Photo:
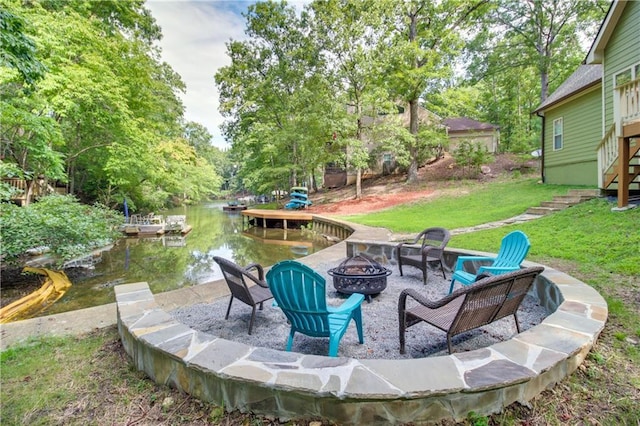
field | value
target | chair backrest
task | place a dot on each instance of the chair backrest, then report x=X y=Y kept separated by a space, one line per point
x=513 y=249
x=300 y=292
x=493 y=298
x=235 y=276
x=435 y=237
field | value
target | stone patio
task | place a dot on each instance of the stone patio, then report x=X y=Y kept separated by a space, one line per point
x=350 y=391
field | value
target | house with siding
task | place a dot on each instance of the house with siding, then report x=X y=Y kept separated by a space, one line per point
x=380 y=162
x=466 y=129
x=591 y=123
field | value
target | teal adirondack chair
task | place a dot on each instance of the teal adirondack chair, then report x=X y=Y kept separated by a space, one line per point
x=513 y=250
x=300 y=292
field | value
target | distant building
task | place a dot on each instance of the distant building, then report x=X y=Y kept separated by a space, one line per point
x=462 y=128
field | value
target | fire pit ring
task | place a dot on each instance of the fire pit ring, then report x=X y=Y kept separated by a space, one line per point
x=360 y=274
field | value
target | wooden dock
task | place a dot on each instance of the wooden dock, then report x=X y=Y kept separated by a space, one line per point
x=276 y=218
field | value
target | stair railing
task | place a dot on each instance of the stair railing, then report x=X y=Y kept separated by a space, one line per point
x=629 y=95
x=607 y=153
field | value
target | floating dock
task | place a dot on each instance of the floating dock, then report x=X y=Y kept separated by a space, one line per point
x=237 y=208
x=276 y=218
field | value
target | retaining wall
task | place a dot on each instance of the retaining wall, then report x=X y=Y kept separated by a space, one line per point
x=351 y=391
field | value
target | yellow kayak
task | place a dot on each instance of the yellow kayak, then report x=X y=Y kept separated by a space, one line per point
x=55 y=285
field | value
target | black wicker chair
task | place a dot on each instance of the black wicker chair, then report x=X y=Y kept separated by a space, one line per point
x=237 y=277
x=432 y=242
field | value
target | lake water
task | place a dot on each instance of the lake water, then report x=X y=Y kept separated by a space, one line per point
x=169 y=262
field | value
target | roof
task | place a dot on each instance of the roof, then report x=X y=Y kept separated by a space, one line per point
x=584 y=77
x=461 y=124
x=596 y=51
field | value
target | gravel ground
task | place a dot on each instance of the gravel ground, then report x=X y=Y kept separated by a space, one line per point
x=379 y=317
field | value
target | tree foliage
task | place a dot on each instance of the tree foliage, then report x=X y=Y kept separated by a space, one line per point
x=490 y=60
x=524 y=51
x=61 y=223
x=103 y=114
x=274 y=100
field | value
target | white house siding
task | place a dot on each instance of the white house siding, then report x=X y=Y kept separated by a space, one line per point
x=576 y=162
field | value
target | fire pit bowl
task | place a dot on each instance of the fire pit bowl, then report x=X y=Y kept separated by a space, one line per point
x=360 y=274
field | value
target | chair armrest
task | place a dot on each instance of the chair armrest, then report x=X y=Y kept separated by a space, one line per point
x=495 y=270
x=258 y=268
x=407 y=244
x=409 y=292
x=413 y=242
x=427 y=249
x=462 y=259
x=348 y=305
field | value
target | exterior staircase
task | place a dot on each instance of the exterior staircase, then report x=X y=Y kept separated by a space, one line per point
x=561 y=202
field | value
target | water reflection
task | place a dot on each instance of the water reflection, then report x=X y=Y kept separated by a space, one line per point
x=169 y=262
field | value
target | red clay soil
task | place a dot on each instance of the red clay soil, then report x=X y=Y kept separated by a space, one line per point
x=369 y=203
x=384 y=192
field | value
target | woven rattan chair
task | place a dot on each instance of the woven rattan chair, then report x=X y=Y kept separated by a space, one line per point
x=428 y=246
x=237 y=277
x=479 y=304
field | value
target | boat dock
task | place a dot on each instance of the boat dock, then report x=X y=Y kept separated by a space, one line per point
x=276 y=218
x=153 y=224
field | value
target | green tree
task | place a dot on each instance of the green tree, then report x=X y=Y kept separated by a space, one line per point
x=425 y=39
x=267 y=96
x=107 y=107
x=28 y=136
x=17 y=50
x=348 y=33
x=523 y=52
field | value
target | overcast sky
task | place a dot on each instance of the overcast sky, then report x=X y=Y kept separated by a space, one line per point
x=193 y=43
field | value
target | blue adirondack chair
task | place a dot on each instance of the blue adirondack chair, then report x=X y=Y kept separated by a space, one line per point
x=300 y=292
x=513 y=250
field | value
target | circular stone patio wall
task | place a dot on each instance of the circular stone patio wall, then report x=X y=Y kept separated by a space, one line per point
x=375 y=391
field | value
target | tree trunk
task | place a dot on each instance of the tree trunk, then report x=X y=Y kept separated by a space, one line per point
x=412 y=174
x=28 y=192
x=294 y=173
x=359 y=136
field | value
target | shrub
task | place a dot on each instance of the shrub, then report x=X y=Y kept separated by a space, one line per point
x=61 y=223
x=470 y=156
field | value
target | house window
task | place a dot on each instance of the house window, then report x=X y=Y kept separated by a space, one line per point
x=387 y=158
x=557 y=134
x=622 y=78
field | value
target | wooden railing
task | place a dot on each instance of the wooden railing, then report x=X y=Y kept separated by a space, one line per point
x=629 y=98
x=18 y=185
x=626 y=108
x=40 y=187
x=607 y=153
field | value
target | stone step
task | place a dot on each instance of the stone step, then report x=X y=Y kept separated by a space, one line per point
x=541 y=211
x=591 y=193
x=558 y=204
x=561 y=202
x=569 y=199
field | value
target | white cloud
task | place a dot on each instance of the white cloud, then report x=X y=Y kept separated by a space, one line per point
x=194 y=40
x=194 y=37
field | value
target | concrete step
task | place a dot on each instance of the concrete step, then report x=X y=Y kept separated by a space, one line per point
x=541 y=211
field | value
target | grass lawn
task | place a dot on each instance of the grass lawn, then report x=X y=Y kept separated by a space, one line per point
x=88 y=380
